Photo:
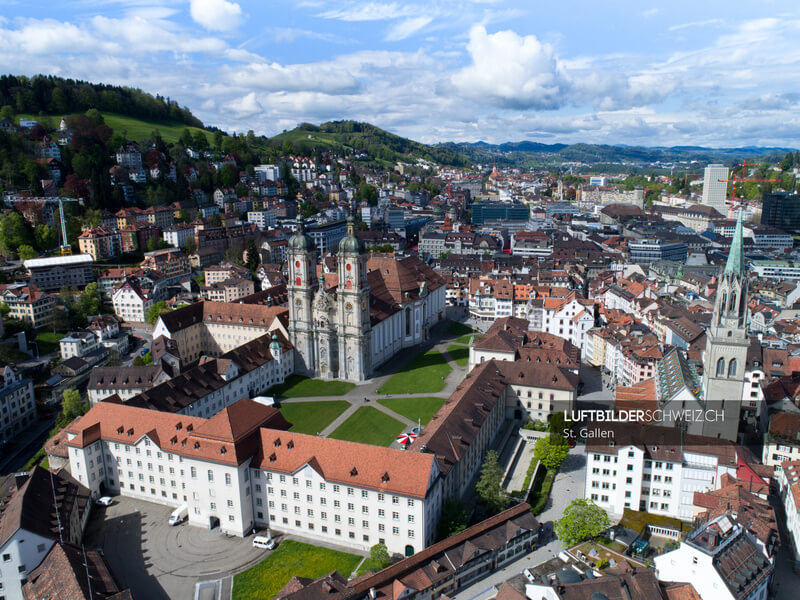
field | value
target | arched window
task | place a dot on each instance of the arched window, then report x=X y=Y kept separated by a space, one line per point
x=409 y=550
x=408 y=321
x=721 y=367
x=732 y=368
x=722 y=305
x=732 y=307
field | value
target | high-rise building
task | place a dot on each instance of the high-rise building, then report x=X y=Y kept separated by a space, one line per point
x=714 y=190
x=782 y=210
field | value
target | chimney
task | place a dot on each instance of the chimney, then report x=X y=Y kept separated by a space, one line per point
x=20 y=478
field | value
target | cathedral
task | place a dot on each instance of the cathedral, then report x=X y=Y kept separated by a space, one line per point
x=725 y=357
x=379 y=305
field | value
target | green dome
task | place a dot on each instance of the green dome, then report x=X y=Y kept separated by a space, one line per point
x=274 y=345
x=301 y=240
x=350 y=244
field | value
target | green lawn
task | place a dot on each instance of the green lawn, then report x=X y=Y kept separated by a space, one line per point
x=459 y=353
x=137 y=129
x=48 y=342
x=457 y=328
x=267 y=578
x=369 y=426
x=297 y=386
x=369 y=566
x=423 y=374
x=414 y=409
x=465 y=339
x=312 y=417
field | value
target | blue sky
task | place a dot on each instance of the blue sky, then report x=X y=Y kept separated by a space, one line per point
x=678 y=73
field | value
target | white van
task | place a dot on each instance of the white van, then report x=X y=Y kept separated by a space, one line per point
x=264 y=542
x=179 y=514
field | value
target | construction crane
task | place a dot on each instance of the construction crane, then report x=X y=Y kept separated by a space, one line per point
x=66 y=249
x=743 y=179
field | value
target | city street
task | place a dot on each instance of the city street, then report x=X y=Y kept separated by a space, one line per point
x=567 y=486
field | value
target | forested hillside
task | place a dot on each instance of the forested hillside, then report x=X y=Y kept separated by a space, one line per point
x=56 y=96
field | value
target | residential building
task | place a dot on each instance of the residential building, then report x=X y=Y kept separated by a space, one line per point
x=28 y=303
x=100 y=243
x=79 y=343
x=650 y=468
x=268 y=172
x=53 y=273
x=44 y=509
x=178 y=235
x=326 y=237
x=782 y=211
x=229 y=290
x=172 y=263
x=135 y=236
x=789 y=486
x=128 y=156
x=766 y=237
x=782 y=440
x=223 y=272
x=569 y=317
x=162 y=217
x=715 y=187
x=71 y=572
x=132 y=299
x=720 y=560
x=699 y=217
x=17 y=403
x=264 y=219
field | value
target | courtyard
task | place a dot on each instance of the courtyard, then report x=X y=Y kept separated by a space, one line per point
x=312 y=417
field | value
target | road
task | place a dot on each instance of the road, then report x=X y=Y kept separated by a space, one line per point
x=15 y=458
x=568 y=485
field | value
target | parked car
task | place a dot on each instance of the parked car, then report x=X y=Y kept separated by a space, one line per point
x=529 y=576
x=104 y=501
x=265 y=542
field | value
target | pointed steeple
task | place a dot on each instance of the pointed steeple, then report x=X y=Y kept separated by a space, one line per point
x=735 y=264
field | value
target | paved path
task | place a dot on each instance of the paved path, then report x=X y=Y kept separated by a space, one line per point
x=567 y=486
x=439 y=341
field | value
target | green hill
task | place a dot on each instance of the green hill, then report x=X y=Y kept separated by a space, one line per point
x=135 y=129
x=353 y=137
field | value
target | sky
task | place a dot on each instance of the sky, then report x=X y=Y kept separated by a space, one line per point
x=708 y=73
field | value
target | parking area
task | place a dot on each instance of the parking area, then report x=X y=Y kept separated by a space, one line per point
x=158 y=561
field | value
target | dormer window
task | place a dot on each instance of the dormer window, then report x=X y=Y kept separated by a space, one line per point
x=223 y=450
x=353 y=472
x=277 y=442
x=120 y=429
x=290 y=445
x=272 y=457
x=196 y=445
x=385 y=477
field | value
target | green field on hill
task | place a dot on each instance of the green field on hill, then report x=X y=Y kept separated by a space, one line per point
x=135 y=129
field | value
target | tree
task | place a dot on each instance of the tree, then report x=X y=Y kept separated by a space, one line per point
x=581 y=520
x=7 y=112
x=156 y=311
x=45 y=237
x=454 y=518
x=95 y=116
x=367 y=192
x=189 y=246
x=489 y=487
x=551 y=451
x=4 y=309
x=26 y=252
x=379 y=555
x=252 y=256
x=787 y=162
x=152 y=243
x=13 y=234
x=90 y=302
x=72 y=405
x=142 y=361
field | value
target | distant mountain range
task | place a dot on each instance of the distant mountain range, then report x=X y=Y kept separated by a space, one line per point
x=524 y=151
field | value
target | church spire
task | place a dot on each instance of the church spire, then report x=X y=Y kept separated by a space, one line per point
x=735 y=264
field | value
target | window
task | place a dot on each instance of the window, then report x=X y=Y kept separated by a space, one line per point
x=210 y=475
x=732 y=368
x=194 y=473
x=227 y=478
x=381 y=497
x=721 y=367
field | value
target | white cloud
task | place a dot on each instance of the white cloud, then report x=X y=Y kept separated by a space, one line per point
x=245 y=107
x=370 y=11
x=216 y=15
x=651 y=12
x=407 y=28
x=325 y=77
x=512 y=71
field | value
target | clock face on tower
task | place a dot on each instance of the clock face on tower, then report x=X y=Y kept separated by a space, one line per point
x=348 y=307
x=298 y=302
